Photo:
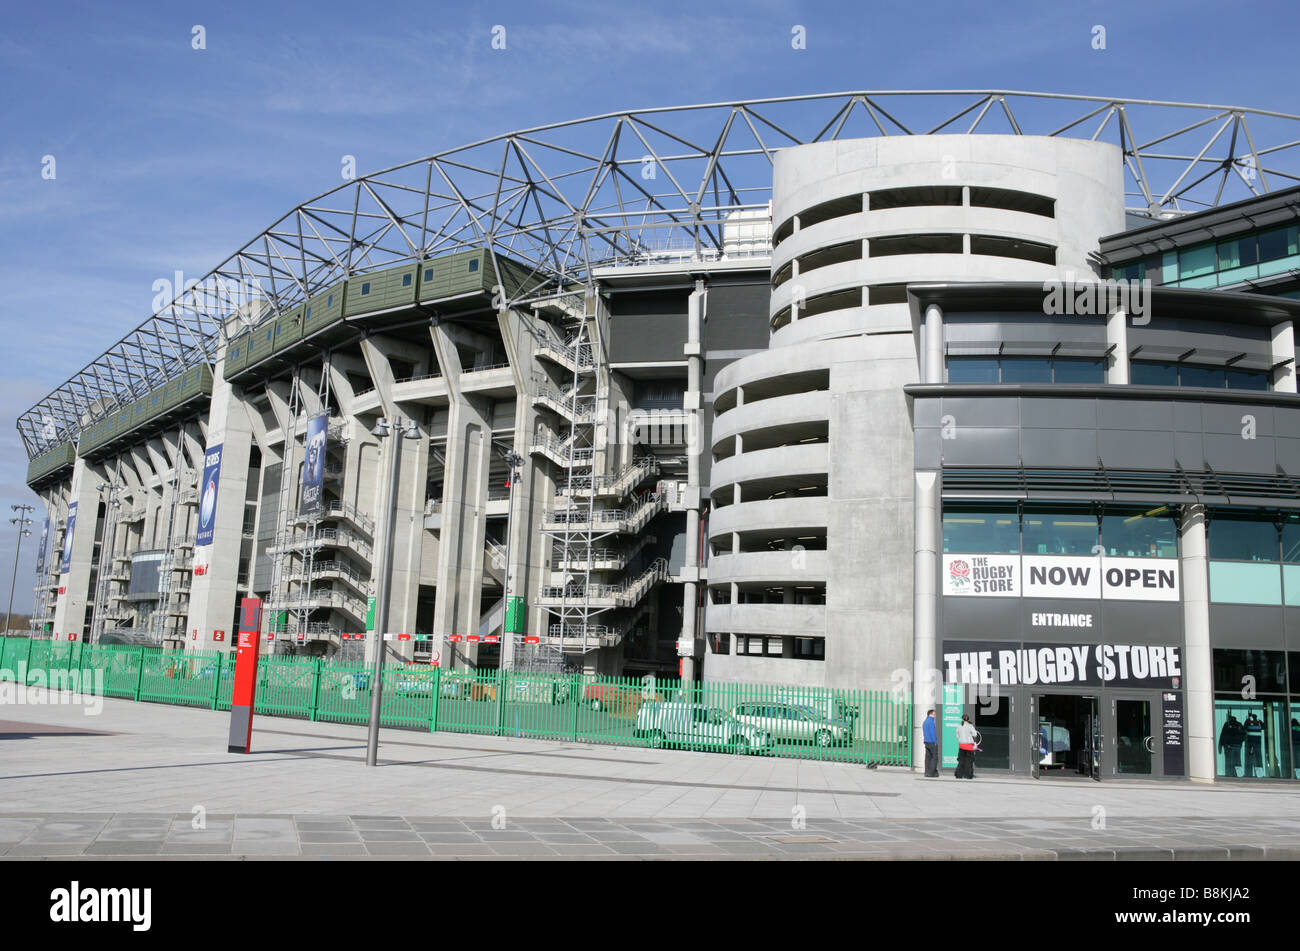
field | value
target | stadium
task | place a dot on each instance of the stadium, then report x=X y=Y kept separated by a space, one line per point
x=983 y=394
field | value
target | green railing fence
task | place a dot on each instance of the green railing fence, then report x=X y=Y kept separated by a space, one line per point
x=850 y=726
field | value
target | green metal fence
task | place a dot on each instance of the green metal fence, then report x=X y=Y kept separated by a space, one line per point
x=758 y=719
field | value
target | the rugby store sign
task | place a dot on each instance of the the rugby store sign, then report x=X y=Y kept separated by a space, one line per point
x=1060 y=576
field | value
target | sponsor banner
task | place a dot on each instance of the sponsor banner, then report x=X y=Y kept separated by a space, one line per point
x=208 y=496
x=65 y=564
x=995 y=576
x=313 y=467
x=40 y=552
x=1010 y=664
x=1061 y=576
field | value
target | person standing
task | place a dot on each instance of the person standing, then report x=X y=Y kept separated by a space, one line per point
x=1230 y=738
x=1254 y=729
x=965 y=749
x=931 y=738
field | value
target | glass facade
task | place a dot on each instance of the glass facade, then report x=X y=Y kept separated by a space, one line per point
x=1028 y=369
x=1213 y=264
x=1165 y=373
x=1011 y=529
x=1248 y=564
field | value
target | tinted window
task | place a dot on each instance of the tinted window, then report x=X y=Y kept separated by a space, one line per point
x=1247 y=380
x=1203 y=376
x=1078 y=370
x=1059 y=533
x=1026 y=370
x=1153 y=374
x=972 y=370
x=1138 y=534
x=1243 y=539
x=988 y=530
x=1266 y=668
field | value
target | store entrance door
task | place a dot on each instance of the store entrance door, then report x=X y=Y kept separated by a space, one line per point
x=1137 y=746
x=1066 y=736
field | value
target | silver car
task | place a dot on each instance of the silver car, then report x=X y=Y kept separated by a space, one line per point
x=696 y=726
x=793 y=723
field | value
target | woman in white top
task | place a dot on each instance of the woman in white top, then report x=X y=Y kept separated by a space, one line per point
x=966 y=749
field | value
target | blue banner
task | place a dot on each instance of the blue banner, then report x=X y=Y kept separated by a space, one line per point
x=66 y=564
x=208 y=496
x=40 y=553
x=313 y=467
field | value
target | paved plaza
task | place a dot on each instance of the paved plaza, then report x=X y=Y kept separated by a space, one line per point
x=151 y=780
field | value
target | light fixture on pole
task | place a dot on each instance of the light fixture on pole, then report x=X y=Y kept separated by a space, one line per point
x=515 y=461
x=22 y=521
x=382 y=430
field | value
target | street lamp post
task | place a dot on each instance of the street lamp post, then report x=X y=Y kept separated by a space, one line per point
x=514 y=460
x=382 y=430
x=22 y=521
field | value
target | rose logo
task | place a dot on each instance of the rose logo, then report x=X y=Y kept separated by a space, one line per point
x=959 y=572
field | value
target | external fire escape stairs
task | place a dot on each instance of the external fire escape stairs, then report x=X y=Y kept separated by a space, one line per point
x=592 y=507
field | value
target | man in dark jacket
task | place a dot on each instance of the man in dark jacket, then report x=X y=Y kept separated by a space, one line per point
x=931 y=746
x=1230 y=738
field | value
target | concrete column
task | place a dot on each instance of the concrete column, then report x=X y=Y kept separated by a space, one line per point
x=70 y=610
x=925 y=610
x=214 y=594
x=932 y=365
x=1284 y=377
x=1198 y=657
x=464 y=504
x=686 y=646
x=1117 y=370
x=408 y=537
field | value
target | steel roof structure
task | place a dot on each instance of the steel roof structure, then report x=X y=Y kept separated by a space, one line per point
x=571 y=196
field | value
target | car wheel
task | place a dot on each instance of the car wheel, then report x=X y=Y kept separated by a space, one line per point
x=657 y=739
x=739 y=745
x=824 y=738
x=595 y=705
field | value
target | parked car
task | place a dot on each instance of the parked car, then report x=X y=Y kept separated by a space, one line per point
x=616 y=697
x=698 y=726
x=794 y=723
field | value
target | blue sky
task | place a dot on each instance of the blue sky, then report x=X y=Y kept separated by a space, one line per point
x=169 y=158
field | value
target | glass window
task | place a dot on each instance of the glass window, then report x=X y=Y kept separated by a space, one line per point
x=1254 y=739
x=1291 y=541
x=365 y=288
x=1059 y=532
x=329 y=301
x=1140 y=534
x=428 y=274
x=1026 y=370
x=1238 y=252
x=1243 y=538
x=1279 y=243
x=1129 y=272
x=972 y=370
x=1294 y=728
x=1192 y=375
x=988 y=530
x=1247 y=380
x=309 y=313
x=1238 y=671
x=1146 y=373
x=1079 y=370
x=1196 y=261
x=406 y=280
x=473 y=265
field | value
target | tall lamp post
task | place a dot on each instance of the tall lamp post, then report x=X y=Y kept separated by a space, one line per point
x=515 y=461
x=22 y=521
x=382 y=430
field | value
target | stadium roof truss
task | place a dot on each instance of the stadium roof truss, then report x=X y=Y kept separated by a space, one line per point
x=617 y=188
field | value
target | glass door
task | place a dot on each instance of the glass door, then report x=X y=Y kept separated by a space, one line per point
x=1136 y=744
x=1091 y=764
x=1035 y=737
